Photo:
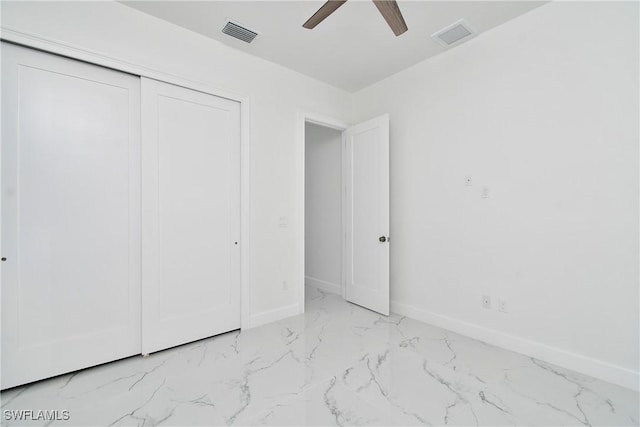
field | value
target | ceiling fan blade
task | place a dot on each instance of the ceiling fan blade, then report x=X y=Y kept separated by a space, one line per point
x=327 y=9
x=391 y=13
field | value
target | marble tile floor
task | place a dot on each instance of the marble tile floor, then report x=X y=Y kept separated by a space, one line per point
x=338 y=364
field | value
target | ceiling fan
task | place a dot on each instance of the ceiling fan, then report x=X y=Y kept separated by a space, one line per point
x=388 y=8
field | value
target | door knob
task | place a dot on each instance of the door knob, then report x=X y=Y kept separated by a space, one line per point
x=382 y=239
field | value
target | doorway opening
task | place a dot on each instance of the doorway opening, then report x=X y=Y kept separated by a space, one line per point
x=344 y=207
x=324 y=235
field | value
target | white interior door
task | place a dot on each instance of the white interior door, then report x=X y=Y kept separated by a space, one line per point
x=366 y=214
x=70 y=215
x=191 y=215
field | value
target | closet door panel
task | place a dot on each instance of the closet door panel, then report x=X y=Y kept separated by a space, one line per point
x=70 y=215
x=191 y=200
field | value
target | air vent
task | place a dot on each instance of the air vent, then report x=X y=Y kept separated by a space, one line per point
x=239 y=32
x=454 y=33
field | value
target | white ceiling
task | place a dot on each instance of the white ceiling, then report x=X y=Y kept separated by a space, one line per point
x=352 y=48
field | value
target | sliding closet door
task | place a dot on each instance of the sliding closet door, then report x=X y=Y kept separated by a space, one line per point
x=70 y=215
x=191 y=215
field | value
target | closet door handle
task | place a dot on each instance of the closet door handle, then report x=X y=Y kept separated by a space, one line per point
x=382 y=239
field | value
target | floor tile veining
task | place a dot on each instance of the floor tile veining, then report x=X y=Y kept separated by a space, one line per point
x=338 y=364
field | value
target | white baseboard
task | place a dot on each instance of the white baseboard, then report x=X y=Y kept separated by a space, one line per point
x=269 y=316
x=566 y=359
x=323 y=285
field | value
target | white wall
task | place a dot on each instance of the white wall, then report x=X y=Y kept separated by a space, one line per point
x=542 y=110
x=323 y=207
x=276 y=94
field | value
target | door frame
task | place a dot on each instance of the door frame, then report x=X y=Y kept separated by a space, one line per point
x=45 y=44
x=305 y=117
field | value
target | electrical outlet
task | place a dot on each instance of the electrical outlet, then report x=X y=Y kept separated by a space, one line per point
x=285 y=285
x=502 y=306
x=468 y=181
x=486 y=302
x=485 y=192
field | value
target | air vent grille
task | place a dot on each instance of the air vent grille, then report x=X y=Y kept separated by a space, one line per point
x=454 y=33
x=239 y=32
